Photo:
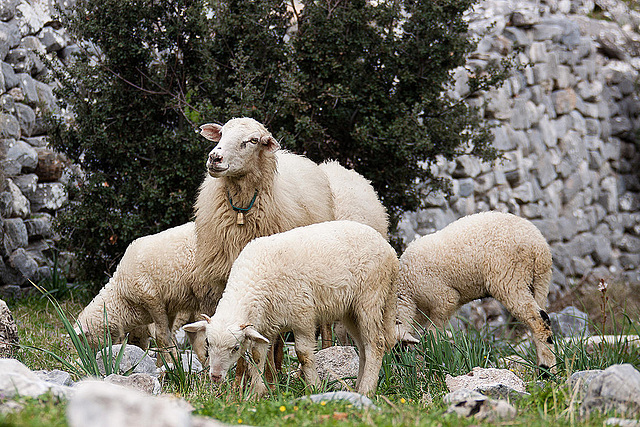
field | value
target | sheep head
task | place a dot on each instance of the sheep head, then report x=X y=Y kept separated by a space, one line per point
x=240 y=143
x=225 y=342
x=404 y=333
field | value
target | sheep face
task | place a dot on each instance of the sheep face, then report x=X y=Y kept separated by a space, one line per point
x=240 y=144
x=404 y=333
x=224 y=343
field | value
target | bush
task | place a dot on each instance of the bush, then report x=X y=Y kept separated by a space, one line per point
x=360 y=82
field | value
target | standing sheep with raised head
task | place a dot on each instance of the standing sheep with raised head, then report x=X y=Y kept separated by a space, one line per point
x=152 y=284
x=485 y=254
x=296 y=280
x=250 y=192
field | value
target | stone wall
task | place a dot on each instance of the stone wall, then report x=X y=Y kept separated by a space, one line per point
x=32 y=184
x=568 y=124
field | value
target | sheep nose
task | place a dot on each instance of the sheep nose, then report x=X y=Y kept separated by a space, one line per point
x=216 y=378
x=215 y=158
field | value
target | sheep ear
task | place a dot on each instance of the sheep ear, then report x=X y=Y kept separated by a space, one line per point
x=410 y=339
x=211 y=131
x=270 y=143
x=251 y=333
x=196 y=327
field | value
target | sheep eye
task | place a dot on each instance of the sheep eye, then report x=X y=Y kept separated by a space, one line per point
x=236 y=348
x=254 y=140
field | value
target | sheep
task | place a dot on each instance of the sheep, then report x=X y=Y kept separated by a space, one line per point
x=485 y=254
x=250 y=192
x=153 y=283
x=296 y=280
x=354 y=198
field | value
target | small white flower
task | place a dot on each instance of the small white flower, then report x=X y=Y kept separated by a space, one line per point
x=602 y=287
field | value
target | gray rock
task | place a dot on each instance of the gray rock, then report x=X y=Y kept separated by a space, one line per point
x=570 y=322
x=356 y=399
x=24 y=263
x=622 y=422
x=134 y=358
x=488 y=381
x=9 y=126
x=15 y=235
x=30 y=19
x=7 y=103
x=337 y=362
x=15 y=204
x=27 y=119
x=52 y=40
x=467 y=403
x=545 y=171
x=100 y=404
x=8 y=332
x=10 y=292
x=18 y=380
x=39 y=226
x=49 y=196
x=26 y=183
x=37 y=141
x=24 y=154
x=617 y=388
x=27 y=84
x=10 y=78
x=579 y=381
x=56 y=377
x=142 y=382
x=46 y=99
x=8 y=9
x=21 y=59
x=9 y=38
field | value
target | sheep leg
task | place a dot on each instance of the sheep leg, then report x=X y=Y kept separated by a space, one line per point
x=305 y=343
x=163 y=333
x=256 y=369
x=353 y=331
x=241 y=374
x=325 y=335
x=524 y=308
x=369 y=372
x=139 y=337
x=372 y=342
x=274 y=360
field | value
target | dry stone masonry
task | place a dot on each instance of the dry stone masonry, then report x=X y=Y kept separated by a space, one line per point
x=32 y=176
x=567 y=122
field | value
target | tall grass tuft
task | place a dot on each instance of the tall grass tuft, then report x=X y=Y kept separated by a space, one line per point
x=86 y=364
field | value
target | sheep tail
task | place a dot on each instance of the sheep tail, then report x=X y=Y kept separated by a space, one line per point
x=541 y=277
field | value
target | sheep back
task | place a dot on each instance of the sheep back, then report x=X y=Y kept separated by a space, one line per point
x=354 y=198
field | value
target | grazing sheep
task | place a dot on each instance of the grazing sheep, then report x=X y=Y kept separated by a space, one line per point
x=152 y=284
x=296 y=280
x=485 y=254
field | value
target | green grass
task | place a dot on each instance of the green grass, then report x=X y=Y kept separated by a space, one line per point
x=410 y=390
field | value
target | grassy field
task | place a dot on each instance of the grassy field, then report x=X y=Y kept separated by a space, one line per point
x=410 y=390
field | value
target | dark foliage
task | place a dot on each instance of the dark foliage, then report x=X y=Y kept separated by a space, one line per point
x=358 y=82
